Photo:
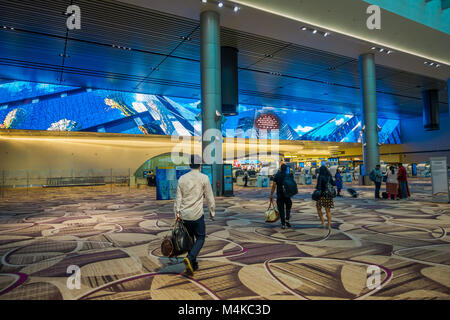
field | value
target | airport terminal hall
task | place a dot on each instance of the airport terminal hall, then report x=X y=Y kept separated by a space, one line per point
x=245 y=150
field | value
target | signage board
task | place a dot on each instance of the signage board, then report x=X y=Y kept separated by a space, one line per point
x=207 y=169
x=439 y=179
x=166 y=183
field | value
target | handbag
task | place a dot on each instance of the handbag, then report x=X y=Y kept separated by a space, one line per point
x=316 y=195
x=178 y=242
x=181 y=238
x=271 y=215
x=167 y=249
x=331 y=190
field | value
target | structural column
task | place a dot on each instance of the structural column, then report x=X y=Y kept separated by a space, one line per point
x=211 y=96
x=430 y=100
x=369 y=122
x=448 y=92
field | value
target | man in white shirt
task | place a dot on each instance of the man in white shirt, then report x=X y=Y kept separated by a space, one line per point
x=192 y=188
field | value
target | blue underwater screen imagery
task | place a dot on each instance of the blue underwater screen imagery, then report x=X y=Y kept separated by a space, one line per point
x=38 y=106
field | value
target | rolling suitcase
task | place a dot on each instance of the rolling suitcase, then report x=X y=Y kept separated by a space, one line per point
x=352 y=192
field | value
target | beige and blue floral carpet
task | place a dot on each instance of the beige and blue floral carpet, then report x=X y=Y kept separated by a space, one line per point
x=114 y=238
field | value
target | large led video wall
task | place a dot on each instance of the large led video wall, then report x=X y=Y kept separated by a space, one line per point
x=37 y=106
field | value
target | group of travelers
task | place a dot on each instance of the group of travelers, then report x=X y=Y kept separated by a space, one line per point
x=194 y=187
x=325 y=199
x=396 y=182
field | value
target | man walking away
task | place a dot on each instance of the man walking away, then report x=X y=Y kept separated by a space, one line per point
x=377 y=177
x=188 y=206
x=403 y=181
x=245 y=178
x=284 y=203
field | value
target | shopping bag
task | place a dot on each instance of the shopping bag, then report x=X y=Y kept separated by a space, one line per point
x=271 y=215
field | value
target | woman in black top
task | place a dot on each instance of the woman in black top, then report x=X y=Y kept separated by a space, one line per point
x=326 y=200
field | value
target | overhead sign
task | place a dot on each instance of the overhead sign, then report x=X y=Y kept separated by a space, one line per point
x=439 y=178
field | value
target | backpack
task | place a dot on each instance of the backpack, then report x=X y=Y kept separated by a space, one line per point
x=289 y=186
x=372 y=176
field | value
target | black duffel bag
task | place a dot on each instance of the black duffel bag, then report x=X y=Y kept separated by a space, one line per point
x=178 y=242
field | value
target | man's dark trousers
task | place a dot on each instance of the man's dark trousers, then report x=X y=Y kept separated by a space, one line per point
x=197 y=230
x=403 y=189
x=377 y=190
x=284 y=214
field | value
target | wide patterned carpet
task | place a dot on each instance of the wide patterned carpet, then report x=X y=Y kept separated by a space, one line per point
x=114 y=237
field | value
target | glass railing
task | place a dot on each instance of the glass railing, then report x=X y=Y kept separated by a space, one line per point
x=15 y=182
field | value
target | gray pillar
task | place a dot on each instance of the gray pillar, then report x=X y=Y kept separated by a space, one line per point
x=430 y=100
x=369 y=117
x=211 y=94
x=448 y=92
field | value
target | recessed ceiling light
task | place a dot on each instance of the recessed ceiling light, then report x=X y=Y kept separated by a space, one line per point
x=381 y=50
x=373 y=48
x=303 y=28
x=236 y=9
x=315 y=31
x=325 y=34
x=425 y=62
x=204 y=1
x=389 y=52
x=437 y=66
x=431 y=63
x=220 y=4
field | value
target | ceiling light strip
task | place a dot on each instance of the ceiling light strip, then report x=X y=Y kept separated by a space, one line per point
x=345 y=33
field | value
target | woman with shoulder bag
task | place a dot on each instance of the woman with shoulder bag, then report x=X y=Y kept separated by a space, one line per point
x=327 y=192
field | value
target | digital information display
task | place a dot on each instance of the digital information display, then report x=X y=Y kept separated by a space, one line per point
x=227 y=180
x=439 y=179
x=166 y=183
x=39 y=106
